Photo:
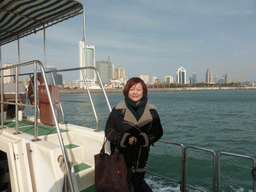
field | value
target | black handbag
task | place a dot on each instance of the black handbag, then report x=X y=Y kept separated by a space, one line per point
x=110 y=172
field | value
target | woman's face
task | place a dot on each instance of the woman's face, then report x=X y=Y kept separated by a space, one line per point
x=136 y=93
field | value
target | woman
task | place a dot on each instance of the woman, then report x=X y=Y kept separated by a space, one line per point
x=134 y=125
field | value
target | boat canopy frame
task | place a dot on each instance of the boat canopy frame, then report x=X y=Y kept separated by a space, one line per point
x=19 y=19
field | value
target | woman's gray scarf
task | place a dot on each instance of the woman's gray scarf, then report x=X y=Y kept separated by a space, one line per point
x=137 y=110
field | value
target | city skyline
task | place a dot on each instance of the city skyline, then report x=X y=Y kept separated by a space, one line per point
x=209 y=78
x=119 y=72
x=154 y=38
x=189 y=79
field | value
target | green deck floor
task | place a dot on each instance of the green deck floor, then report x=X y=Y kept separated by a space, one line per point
x=71 y=146
x=90 y=189
x=28 y=128
x=80 y=167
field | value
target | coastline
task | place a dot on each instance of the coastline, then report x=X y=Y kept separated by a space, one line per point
x=80 y=91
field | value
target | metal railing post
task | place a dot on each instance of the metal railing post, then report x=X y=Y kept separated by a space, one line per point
x=184 y=171
x=2 y=106
x=61 y=109
x=2 y=98
x=235 y=155
x=16 y=102
x=104 y=91
x=35 y=104
x=214 y=173
x=214 y=163
x=92 y=104
x=182 y=163
x=183 y=182
x=254 y=181
x=65 y=155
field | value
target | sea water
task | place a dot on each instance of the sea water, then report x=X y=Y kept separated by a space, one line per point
x=222 y=121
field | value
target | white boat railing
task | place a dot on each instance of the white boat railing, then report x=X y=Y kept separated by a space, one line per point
x=82 y=70
x=17 y=104
x=35 y=105
x=216 y=164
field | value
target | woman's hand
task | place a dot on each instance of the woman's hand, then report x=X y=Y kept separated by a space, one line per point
x=132 y=140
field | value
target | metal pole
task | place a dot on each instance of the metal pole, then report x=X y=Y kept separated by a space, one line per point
x=92 y=104
x=214 y=164
x=18 y=50
x=84 y=38
x=71 y=182
x=104 y=91
x=254 y=181
x=84 y=25
x=1 y=65
x=184 y=170
x=35 y=103
x=16 y=102
x=214 y=172
x=16 y=92
x=2 y=91
x=44 y=49
x=235 y=155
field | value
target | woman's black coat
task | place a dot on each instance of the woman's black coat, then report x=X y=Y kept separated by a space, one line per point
x=121 y=125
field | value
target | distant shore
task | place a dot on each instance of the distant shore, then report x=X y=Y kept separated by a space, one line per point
x=77 y=91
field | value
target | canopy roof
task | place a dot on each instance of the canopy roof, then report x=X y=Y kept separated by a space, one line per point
x=19 y=18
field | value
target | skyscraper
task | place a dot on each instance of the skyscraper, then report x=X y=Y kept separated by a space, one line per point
x=120 y=72
x=113 y=73
x=222 y=80
x=208 y=76
x=90 y=59
x=193 y=80
x=145 y=78
x=104 y=68
x=181 y=76
x=216 y=79
x=154 y=79
x=168 y=79
x=227 y=78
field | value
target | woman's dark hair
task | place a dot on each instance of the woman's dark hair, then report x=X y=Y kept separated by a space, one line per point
x=134 y=81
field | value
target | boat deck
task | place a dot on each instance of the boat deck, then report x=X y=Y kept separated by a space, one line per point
x=27 y=127
x=77 y=141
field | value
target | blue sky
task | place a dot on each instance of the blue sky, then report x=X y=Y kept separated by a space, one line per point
x=155 y=37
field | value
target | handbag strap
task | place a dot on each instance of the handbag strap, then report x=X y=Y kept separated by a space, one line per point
x=103 y=146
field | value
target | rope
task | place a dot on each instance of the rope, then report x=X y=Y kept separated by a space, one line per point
x=66 y=187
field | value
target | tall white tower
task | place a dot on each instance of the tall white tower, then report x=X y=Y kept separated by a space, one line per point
x=89 y=54
x=208 y=76
x=181 y=76
x=112 y=69
x=120 y=72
